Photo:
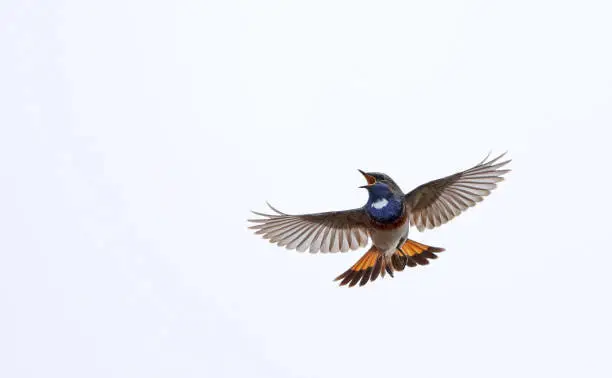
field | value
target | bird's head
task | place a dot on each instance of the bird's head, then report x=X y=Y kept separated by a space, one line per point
x=380 y=178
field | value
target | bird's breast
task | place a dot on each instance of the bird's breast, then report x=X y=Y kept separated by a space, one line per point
x=387 y=238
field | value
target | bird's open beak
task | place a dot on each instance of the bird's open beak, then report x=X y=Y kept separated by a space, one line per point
x=371 y=180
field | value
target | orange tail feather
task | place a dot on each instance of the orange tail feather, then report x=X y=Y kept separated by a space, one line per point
x=416 y=253
x=367 y=268
x=373 y=263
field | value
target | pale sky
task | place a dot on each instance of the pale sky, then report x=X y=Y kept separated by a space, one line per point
x=136 y=136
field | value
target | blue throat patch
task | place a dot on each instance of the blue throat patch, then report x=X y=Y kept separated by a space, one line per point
x=383 y=205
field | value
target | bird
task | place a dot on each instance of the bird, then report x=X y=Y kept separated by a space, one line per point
x=385 y=219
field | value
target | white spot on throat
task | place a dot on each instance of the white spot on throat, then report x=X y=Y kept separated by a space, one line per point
x=379 y=204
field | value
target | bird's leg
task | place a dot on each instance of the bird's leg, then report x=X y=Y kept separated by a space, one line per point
x=399 y=245
x=403 y=256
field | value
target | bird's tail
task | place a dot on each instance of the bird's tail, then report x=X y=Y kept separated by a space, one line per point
x=375 y=263
x=416 y=253
x=367 y=268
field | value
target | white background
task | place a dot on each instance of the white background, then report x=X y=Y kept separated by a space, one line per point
x=137 y=135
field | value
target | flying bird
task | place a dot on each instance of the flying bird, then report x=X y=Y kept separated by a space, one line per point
x=385 y=219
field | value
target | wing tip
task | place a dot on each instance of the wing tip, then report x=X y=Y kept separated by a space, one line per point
x=275 y=209
x=486 y=160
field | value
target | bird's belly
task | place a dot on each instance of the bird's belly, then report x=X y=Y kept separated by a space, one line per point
x=386 y=240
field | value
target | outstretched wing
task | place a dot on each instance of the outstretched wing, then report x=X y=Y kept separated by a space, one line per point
x=439 y=201
x=323 y=232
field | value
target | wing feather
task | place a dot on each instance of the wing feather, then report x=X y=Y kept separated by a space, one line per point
x=322 y=232
x=437 y=202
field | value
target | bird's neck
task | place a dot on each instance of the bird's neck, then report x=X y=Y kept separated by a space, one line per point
x=385 y=209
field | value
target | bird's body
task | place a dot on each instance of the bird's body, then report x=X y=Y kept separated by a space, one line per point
x=385 y=219
x=386 y=240
x=388 y=215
